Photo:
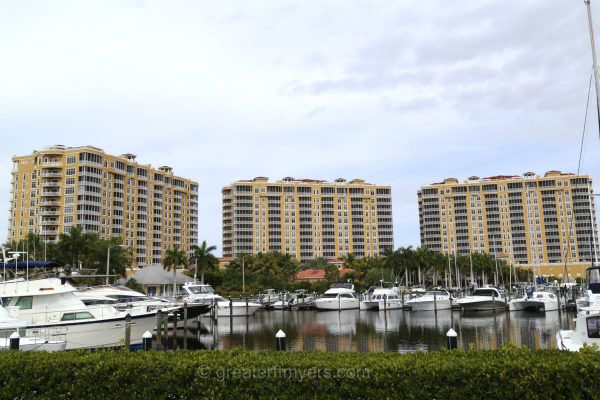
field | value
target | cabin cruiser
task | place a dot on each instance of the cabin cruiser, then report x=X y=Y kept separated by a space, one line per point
x=33 y=340
x=124 y=299
x=486 y=298
x=433 y=300
x=205 y=294
x=587 y=331
x=339 y=296
x=382 y=298
x=52 y=303
x=538 y=301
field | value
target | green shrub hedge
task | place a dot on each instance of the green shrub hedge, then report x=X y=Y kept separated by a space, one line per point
x=508 y=373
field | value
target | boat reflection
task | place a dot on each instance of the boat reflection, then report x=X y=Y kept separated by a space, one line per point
x=367 y=331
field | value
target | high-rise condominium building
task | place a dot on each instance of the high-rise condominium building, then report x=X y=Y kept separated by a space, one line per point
x=60 y=187
x=547 y=222
x=307 y=218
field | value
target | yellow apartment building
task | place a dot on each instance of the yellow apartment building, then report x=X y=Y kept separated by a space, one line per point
x=57 y=188
x=307 y=218
x=547 y=223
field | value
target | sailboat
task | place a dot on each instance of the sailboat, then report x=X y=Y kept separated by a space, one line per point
x=587 y=323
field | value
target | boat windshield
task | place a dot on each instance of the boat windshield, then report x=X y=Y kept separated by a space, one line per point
x=329 y=296
x=485 y=292
x=341 y=285
x=435 y=292
x=128 y=299
x=201 y=289
x=593 y=277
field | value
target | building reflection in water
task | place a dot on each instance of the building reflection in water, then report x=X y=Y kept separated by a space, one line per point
x=372 y=331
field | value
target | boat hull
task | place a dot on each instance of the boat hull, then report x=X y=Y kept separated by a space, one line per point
x=107 y=333
x=430 y=305
x=482 y=305
x=238 y=309
x=335 y=304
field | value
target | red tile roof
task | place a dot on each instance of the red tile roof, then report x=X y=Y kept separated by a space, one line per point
x=311 y=274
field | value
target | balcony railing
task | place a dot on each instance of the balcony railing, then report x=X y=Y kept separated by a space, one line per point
x=51 y=193
x=52 y=164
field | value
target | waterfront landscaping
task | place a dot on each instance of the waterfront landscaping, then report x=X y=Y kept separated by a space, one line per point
x=506 y=373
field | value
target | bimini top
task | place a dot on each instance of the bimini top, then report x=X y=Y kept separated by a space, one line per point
x=32 y=264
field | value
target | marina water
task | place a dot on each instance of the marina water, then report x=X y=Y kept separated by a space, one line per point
x=375 y=331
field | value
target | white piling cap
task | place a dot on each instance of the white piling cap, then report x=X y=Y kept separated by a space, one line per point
x=451 y=333
x=280 y=334
x=15 y=335
x=146 y=335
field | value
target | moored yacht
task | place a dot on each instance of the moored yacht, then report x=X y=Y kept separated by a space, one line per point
x=538 y=301
x=126 y=299
x=339 y=296
x=52 y=303
x=205 y=294
x=482 y=299
x=587 y=331
x=433 y=300
x=382 y=298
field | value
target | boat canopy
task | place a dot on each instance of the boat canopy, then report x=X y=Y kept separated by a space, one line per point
x=32 y=264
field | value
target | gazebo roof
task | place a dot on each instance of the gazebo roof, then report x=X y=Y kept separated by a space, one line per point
x=156 y=275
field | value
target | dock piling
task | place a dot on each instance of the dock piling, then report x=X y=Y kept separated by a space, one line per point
x=15 y=340
x=147 y=341
x=451 y=339
x=127 y=331
x=280 y=341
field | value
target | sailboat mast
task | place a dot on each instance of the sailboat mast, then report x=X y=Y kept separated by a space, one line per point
x=596 y=76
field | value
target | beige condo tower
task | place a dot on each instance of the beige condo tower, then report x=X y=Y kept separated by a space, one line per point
x=57 y=188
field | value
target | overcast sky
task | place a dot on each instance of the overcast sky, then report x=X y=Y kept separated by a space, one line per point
x=403 y=93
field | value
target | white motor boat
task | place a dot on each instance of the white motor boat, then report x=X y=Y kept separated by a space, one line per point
x=433 y=300
x=52 y=303
x=205 y=294
x=302 y=299
x=382 y=299
x=539 y=301
x=268 y=298
x=30 y=340
x=126 y=299
x=482 y=299
x=339 y=296
x=587 y=331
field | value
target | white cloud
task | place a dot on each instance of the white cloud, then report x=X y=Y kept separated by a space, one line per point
x=401 y=93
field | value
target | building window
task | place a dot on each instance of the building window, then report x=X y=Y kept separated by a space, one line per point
x=70 y=171
x=71 y=159
x=68 y=219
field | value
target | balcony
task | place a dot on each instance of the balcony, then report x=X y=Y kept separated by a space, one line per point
x=52 y=165
x=47 y=203
x=45 y=232
x=51 y=193
x=49 y=223
x=49 y=212
x=51 y=175
x=51 y=184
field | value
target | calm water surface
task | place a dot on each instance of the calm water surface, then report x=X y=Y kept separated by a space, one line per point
x=394 y=330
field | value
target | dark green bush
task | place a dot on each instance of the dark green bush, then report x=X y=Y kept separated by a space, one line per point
x=508 y=373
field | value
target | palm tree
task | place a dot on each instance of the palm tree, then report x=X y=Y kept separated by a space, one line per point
x=76 y=245
x=173 y=258
x=203 y=258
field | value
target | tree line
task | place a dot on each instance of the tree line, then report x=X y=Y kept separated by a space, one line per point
x=256 y=272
